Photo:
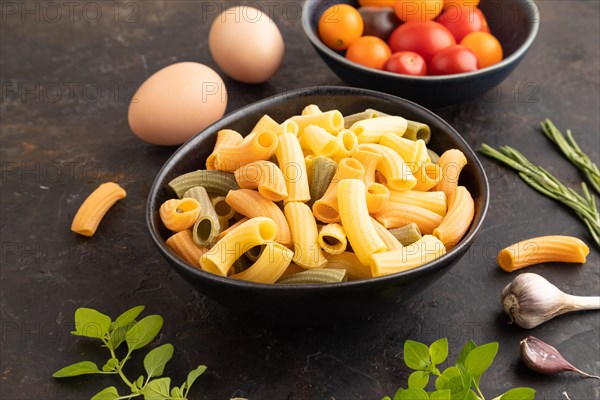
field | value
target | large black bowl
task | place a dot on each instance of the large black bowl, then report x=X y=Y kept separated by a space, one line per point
x=314 y=304
x=514 y=22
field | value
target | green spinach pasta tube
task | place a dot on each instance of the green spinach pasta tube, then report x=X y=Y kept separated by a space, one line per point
x=316 y=275
x=368 y=113
x=323 y=170
x=416 y=131
x=207 y=225
x=217 y=183
x=407 y=234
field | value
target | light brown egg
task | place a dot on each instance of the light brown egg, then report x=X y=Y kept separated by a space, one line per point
x=246 y=44
x=176 y=103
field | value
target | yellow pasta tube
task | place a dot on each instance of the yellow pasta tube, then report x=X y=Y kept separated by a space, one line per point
x=287 y=126
x=432 y=201
x=95 y=206
x=411 y=151
x=377 y=196
x=224 y=137
x=251 y=204
x=179 y=214
x=311 y=109
x=350 y=262
x=542 y=249
x=254 y=232
x=457 y=220
x=332 y=238
x=369 y=158
x=269 y=267
x=356 y=220
x=319 y=141
x=391 y=243
x=292 y=165
x=395 y=215
x=265 y=123
x=427 y=175
x=332 y=121
x=307 y=252
x=326 y=208
x=451 y=163
x=423 y=251
x=293 y=268
x=265 y=176
x=227 y=230
x=256 y=146
x=396 y=172
x=348 y=142
x=184 y=246
x=370 y=130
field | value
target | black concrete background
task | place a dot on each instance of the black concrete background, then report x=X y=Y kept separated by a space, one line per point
x=66 y=80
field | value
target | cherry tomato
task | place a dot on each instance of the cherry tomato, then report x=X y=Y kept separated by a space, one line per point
x=426 y=38
x=485 y=46
x=462 y=20
x=459 y=3
x=453 y=60
x=376 y=3
x=407 y=63
x=339 y=26
x=418 y=10
x=369 y=51
x=379 y=21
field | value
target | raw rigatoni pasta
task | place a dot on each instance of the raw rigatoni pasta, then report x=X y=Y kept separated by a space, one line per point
x=451 y=163
x=370 y=130
x=432 y=201
x=231 y=227
x=315 y=276
x=417 y=131
x=395 y=215
x=224 y=137
x=331 y=121
x=265 y=123
x=307 y=252
x=311 y=109
x=269 y=267
x=184 y=246
x=179 y=214
x=369 y=158
x=207 y=226
x=427 y=174
x=425 y=250
x=412 y=152
x=406 y=234
x=456 y=222
x=265 y=176
x=291 y=162
x=287 y=126
x=319 y=141
x=217 y=183
x=348 y=142
x=349 y=262
x=356 y=220
x=332 y=238
x=256 y=146
x=95 y=206
x=542 y=249
x=321 y=171
x=391 y=243
x=350 y=120
x=254 y=232
x=396 y=172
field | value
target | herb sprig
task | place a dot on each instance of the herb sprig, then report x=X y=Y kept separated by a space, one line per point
x=137 y=334
x=544 y=182
x=457 y=382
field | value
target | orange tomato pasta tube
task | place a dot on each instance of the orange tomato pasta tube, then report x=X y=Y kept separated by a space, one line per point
x=179 y=214
x=326 y=208
x=251 y=204
x=356 y=221
x=432 y=201
x=269 y=267
x=224 y=137
x=256 y=146
x=184 y=246
x=428 y=175
x=395 y=215
x=424 y=250
x=350 y=262
x=292 y=165
x=543 y=249
x=95 y=206
x=307 y=252
x=265 y=176
x=457 y=220
x=451 y=163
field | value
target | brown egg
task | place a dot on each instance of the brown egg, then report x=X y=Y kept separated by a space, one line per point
x=176 y=103
x=246 y=44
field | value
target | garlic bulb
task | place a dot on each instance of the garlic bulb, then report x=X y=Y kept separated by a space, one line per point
x=530 y=300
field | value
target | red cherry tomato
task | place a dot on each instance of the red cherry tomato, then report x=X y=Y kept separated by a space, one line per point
x=426 y=38
x=453 y=60
x=407 y=63
x=462 y=20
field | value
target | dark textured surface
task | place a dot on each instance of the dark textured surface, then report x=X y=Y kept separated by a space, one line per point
x=59 y=141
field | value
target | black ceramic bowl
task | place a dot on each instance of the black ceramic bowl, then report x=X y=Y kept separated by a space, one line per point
x=514 y=23
x=315 y=304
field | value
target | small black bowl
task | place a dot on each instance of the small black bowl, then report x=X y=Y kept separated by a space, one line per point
x=315 y=304
x=514 y=23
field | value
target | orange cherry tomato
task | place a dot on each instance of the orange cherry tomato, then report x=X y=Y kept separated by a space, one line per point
x=369 y=51
x=418 y=10
x=485 y=46
x=376 y=3
x=461 y=3
x=340 y=25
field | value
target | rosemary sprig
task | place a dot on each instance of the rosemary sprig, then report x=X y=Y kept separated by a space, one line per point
x=572 y=151
x=544 y=182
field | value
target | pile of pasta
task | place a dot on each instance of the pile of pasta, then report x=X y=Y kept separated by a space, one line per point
x=319 y=198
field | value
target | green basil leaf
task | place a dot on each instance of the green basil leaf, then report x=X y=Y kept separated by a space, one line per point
x=481 y=358
x=117 y=336
x=110 y=364
x=80 y=368
x=176 y=393
x=110 y=393
x=418 y=379
x=443 y=394
x=443 y=381
x=386 y=398
x=128 y=316
x=157 y=358
x=464 y=353
x=157 y=389
x=414 y=394
x=439 y=351
x=91 y=323
x=193 y=375
x=143 y=332
x=398 y=392
x=416 y=355
x=521 y=393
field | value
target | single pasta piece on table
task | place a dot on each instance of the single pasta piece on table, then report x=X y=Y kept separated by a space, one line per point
x=95 y=206
x=456 y=222
x=179 y=214
x=184 y=246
